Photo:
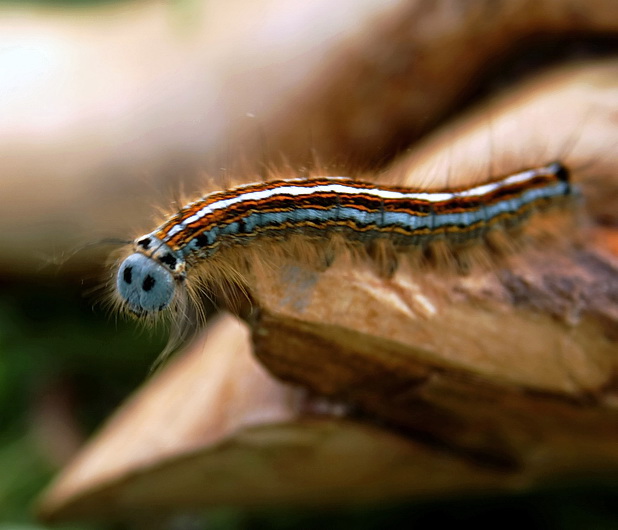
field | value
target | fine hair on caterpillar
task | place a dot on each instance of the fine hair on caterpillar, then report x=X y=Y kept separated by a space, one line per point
x=226 y=240
x=419 y=217
x=156 y=278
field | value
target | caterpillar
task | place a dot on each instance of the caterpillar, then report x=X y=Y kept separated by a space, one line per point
x=195 y=245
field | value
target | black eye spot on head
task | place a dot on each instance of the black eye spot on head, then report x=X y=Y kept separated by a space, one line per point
x=149 y=283
x=144 y=243
x=127 y=275
x=169 y=260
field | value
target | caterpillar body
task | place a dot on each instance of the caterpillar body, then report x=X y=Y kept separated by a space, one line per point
x=194 y=242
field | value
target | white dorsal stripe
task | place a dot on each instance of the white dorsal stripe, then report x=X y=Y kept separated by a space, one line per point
x=342 y=187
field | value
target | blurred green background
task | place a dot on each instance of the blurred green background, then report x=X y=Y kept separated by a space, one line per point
x=63 y=366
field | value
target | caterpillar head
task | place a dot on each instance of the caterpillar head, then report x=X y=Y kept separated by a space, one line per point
x=144 y=285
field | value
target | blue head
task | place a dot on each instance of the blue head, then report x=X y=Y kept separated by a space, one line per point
x=145 y=285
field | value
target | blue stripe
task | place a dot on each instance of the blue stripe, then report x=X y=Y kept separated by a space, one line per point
x=381 y=219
